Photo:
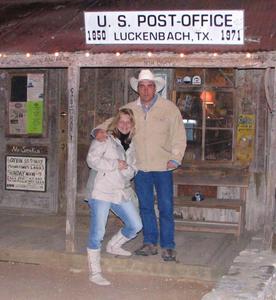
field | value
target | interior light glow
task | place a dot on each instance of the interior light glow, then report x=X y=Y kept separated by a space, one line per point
x=187 y=121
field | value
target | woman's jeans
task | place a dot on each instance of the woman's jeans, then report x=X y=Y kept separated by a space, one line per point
x=144 y=186
x=99 y=211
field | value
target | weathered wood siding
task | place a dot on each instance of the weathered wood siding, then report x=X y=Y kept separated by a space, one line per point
x=27 y=200
x=102 y=92
x=251 y=100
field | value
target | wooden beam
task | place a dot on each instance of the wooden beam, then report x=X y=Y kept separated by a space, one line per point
x=271 y=163
x=72 y=143
x=139 y=58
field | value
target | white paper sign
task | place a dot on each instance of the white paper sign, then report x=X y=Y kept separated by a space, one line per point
x=35 y=87
x=225 y=27
x=26 y=173
x=17 y=117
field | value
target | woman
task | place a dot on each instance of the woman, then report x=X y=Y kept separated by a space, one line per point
x=114 y=163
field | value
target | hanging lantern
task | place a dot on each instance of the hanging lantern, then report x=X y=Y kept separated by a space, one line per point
x=207 y=96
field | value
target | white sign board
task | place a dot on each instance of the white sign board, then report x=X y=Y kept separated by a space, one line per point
x=207 y=27
x=26 y=173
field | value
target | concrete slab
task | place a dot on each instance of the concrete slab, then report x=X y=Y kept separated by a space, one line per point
x=40 y=239
x=252 y=276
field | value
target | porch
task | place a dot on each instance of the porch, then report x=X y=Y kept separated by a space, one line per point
x=40 y=239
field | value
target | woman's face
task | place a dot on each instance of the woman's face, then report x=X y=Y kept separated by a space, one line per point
x=124 y=124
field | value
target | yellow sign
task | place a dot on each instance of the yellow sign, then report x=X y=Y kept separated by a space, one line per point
x=245 y=138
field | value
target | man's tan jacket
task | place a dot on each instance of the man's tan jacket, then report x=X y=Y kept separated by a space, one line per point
x=159 y=134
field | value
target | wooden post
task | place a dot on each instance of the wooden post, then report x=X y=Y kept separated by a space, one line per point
x=72 y=144
x=271 y=162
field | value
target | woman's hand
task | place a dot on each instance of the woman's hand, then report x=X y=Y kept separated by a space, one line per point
x=122 y=164
x=100 y=135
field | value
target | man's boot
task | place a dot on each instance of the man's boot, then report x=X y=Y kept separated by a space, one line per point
x=95 y=270
x=146 y=250
x=114 y=245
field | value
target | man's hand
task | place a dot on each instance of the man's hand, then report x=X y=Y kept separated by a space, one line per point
x=122 y=164
x=101 y=135
x=171 y=165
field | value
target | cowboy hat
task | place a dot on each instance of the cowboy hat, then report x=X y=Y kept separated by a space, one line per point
x=147 y=75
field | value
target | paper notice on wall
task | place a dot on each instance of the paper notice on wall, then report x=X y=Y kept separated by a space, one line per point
x=17 y=117
x=35 y=87
x=26 y=105
x=35 y=117
x=245 y=138
x=26 y=173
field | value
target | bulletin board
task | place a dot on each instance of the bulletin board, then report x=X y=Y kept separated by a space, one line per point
x=26 y=105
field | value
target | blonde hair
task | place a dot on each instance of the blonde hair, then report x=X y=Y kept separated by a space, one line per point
x=112 y=128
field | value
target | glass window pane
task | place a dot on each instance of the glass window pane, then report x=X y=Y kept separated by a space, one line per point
x=220 y=113
x=194 y=141
x=220 y=77
x=189 y=77
x=190 y=106
x=207 y=108
x=218 y=144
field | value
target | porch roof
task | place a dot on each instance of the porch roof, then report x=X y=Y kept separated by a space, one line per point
x=50 y=26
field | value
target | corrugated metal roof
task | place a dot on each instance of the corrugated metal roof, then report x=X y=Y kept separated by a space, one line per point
x=49 y=26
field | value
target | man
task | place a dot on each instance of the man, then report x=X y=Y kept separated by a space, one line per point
x=160 y=142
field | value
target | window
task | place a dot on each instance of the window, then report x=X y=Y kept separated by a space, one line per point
x=205 y=99
x=26 y=105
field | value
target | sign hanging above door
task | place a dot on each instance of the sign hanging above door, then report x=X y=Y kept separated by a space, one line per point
x=207 y=27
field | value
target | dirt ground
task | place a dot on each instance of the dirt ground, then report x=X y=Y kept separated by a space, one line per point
x=27 y=282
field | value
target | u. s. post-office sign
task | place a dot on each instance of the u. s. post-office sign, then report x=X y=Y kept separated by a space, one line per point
x=206 y=27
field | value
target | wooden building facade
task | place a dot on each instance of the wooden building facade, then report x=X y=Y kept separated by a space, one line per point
x=51 y=99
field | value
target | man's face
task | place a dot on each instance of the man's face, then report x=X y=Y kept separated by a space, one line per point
x=146 y=90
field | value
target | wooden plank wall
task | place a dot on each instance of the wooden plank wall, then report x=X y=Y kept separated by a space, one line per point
x=101 y=94
x=41 y=201
x=250 y=94
x=270 y=200
x=103 y=90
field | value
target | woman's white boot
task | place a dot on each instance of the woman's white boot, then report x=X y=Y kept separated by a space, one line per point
x=95 y=270
x=114 y=245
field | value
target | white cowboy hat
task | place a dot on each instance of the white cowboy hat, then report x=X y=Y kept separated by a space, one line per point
x=147 y=75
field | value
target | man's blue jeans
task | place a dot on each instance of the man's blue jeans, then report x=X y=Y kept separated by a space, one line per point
x=99 y=211
x=163 y=183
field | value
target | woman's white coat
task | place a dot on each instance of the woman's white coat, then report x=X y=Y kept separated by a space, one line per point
x=110 y=183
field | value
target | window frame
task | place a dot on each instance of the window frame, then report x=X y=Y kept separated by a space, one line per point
x=192 y=88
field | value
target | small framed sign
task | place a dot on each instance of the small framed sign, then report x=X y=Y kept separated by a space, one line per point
x=26 y=173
